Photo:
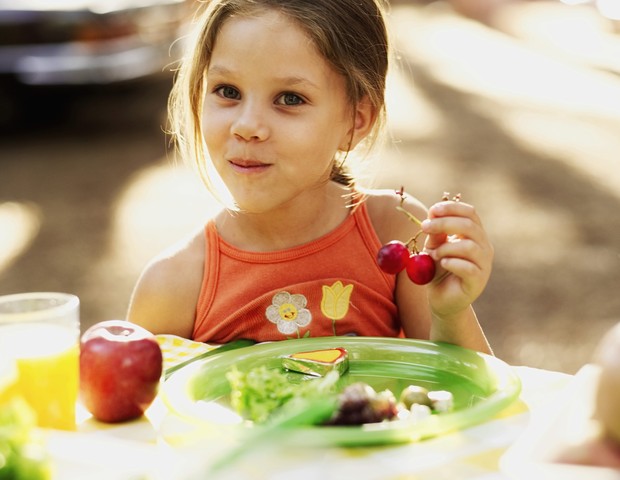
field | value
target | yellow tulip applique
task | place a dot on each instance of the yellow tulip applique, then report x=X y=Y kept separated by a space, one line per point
x=335 y=301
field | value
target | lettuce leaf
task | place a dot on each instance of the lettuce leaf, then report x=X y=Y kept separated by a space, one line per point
x=260 y=392
x=22 y=457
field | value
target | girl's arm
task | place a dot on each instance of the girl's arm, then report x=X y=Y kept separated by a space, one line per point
x=463 y=254
x=165 y=296
x=441 y=310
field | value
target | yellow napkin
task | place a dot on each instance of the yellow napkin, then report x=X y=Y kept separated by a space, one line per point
x=177 y=349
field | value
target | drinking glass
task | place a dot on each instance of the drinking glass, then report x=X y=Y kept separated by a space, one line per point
x=40 y=332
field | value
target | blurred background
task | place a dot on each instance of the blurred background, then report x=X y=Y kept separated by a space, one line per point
x=514 y=104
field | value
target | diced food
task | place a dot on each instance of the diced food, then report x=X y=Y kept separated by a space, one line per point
x=359 y=403
x=260 y=392
x=441 y=400
x=413 y=394
x=318 y=362
x=418 y=412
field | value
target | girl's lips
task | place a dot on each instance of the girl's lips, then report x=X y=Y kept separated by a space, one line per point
x=248 y=166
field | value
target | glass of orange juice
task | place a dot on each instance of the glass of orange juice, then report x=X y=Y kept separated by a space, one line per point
x=40 y=332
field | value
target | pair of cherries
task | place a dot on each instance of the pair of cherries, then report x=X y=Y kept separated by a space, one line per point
x=396 y=256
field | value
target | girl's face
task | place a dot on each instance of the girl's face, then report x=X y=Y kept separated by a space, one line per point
x=275 y=113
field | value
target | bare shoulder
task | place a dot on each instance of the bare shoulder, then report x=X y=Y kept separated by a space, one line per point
x=165 y=297
x=389 y=223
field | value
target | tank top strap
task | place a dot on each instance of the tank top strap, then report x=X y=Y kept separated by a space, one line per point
x=210 y=274
x=365 y=227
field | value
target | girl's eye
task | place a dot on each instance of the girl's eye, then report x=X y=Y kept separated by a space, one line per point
x=228 y=92
x=290 y=99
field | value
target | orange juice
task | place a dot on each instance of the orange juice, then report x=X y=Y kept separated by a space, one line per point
x=47 y=359
x=8 y=379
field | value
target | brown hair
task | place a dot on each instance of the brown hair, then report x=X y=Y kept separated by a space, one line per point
x=350 y=34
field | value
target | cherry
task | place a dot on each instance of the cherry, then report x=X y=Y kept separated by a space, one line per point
x=393 y=257
x=420 y=268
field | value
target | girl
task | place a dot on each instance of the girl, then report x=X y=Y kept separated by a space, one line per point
x=272 y=99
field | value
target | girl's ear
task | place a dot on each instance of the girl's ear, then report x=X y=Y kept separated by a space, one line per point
x=363 y=121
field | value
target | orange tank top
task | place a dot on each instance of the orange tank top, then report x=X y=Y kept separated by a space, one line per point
x=330 y=286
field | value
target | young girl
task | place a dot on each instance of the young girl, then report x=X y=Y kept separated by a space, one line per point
x=274 y=96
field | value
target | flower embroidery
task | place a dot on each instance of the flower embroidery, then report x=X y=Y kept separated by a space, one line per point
x=335 y=301
x=288 y=312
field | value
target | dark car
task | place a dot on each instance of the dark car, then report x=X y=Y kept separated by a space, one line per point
x=68 y=42
x=52 y=51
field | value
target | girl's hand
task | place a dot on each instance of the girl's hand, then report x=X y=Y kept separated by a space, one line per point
x=463 y=254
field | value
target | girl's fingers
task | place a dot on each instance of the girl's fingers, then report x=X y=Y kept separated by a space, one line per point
x=450 y=229
x=452 y=218
x=466 y=260
x=464 y=249
x=457 y=209
x=460 y=267
x=456 y=239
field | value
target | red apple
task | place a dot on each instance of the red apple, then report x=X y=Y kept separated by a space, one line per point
x=120 y=370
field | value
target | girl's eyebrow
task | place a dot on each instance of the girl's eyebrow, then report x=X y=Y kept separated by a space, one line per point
x=218 y=70
x=295 y=81
x=290 y=81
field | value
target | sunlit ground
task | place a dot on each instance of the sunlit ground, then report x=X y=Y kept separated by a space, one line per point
x=548 y=109
x=526 y=126
x=22 y=221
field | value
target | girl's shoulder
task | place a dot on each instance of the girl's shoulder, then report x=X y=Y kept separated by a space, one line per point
x=165 y=297
x=387 y=220
x=180 y=256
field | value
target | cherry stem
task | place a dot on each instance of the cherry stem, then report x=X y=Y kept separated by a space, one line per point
x=412 y=217
x=412 y=242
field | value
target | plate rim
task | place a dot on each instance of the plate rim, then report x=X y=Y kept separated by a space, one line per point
x=508 y=389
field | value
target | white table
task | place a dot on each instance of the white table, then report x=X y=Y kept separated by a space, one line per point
x=137 y=449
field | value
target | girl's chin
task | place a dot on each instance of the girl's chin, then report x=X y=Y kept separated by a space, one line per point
x=253 y=205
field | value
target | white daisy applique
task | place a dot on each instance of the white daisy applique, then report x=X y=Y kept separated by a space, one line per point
x=288 y=312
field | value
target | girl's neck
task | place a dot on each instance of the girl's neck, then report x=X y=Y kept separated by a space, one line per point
x=294 y=224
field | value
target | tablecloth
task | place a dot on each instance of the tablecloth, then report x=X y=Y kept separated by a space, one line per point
x=136 y=449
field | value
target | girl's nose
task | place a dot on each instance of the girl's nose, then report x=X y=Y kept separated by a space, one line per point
x=250 y=124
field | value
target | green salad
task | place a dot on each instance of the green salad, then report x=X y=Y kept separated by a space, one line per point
x=21 y=456
x=259 y=392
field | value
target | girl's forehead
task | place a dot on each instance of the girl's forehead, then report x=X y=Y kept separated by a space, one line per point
x=266 y=17
x=264 y=34
x=265 y=20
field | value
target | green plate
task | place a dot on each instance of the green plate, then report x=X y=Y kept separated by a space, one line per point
x=482 y=385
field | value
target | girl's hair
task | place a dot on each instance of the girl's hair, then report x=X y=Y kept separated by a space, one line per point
x=350 y=34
